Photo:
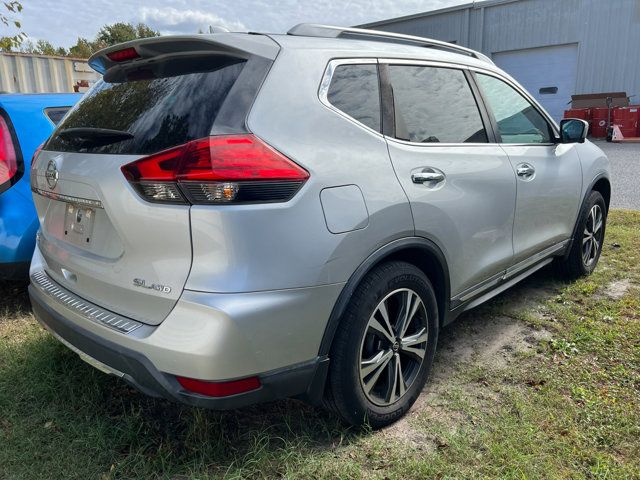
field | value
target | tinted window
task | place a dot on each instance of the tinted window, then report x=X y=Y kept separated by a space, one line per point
x=354 y=90
x=55 y=114
x=518 y=120
x=159 y=112
x=435 y=105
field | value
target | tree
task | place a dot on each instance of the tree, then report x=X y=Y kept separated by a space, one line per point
x=6 y=44
x=111 y=35
x=82 y=49
x=43 y=47
x=9 y=42
x=123 y=32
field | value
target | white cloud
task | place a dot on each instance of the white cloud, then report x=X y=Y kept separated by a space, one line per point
x=170 y=19
x=63 y=21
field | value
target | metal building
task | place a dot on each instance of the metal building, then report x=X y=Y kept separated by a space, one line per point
x=27 y=73
x=554 y=48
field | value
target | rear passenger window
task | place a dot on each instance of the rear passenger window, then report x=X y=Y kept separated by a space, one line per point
x=518 y=121
x=354 y=90
x=435 y=105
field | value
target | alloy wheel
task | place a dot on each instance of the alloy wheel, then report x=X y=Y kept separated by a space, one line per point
x=592 y=236
x=393 y=347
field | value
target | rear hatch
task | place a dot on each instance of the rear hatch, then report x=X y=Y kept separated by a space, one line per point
x=99 y=237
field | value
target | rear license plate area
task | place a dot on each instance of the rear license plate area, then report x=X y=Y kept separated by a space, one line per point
x=78 y=224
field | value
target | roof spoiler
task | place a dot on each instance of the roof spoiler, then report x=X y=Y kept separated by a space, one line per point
x=155 y=49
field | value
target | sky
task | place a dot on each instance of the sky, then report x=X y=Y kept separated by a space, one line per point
x=62 y=21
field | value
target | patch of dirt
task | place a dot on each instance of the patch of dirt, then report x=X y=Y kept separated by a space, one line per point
x=617 y=289
x=487 y=338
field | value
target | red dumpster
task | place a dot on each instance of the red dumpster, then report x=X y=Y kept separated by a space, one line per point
x=627 y=119
x=581 y=113
x=599 y=119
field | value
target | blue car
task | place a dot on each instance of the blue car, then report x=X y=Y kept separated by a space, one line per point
x=26 y=120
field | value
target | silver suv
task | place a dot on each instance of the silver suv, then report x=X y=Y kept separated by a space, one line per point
x=234 y=218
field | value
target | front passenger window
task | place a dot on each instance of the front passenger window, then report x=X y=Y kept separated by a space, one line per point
x=518 y=120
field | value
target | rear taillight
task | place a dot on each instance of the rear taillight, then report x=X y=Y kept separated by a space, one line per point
x=214 y=170
x=10 y=167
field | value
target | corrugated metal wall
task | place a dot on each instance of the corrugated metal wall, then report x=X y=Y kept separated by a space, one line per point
x=25 y=73
x=607 y=33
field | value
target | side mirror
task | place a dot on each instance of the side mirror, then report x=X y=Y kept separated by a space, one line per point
x=573 y=130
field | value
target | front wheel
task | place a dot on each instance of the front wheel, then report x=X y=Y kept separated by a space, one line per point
x=587 y=242
x=384 y=346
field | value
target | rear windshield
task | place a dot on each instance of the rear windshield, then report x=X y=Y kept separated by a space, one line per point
x=159 y=112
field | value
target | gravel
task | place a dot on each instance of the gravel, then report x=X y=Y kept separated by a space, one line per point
x=625 y=173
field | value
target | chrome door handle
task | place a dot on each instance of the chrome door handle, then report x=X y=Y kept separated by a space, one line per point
x=427 y=176
x=525 y=170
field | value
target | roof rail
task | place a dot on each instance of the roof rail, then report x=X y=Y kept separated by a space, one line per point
x=328 y=31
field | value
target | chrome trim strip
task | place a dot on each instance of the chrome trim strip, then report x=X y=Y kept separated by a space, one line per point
x=496 y=282
x=81 y=307
x=476 y=289
x=323 y=90
x=524 y=264
x=504 y=286
x=331 y=66
x=68 y=198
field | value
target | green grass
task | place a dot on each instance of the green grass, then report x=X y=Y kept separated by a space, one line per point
x=566 y=406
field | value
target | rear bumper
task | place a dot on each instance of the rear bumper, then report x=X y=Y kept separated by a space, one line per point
x=149 y=358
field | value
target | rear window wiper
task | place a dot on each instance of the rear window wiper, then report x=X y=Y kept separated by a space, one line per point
x=94 y=137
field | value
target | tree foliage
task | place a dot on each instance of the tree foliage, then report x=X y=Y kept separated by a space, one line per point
x=111 y=35
x=8 y=21
x=107 y=36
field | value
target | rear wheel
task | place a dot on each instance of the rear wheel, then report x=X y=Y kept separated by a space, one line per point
x=588 y=239
x=384 y=347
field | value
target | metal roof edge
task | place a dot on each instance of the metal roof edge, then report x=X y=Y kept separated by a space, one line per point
x=454 y=8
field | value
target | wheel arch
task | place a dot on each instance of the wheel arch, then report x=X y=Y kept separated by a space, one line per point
x=418 y=251
x=600 y=183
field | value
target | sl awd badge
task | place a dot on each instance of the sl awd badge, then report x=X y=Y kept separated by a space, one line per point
x=139 y=282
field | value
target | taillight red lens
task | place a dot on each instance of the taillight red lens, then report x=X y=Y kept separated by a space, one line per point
x=123 y=55
x=8 y=159
x=221 y=169
x=219 y=389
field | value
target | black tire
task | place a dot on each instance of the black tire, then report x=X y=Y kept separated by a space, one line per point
x=574 y=264
x=345 y=392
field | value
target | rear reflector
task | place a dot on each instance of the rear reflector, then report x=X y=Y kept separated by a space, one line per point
x=219 y=389
x=9 y=166
x=221 y=169
x=123 y=55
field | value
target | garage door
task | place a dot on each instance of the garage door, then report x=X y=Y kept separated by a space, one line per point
x=548 y=73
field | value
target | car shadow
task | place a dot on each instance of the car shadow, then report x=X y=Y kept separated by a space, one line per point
x=78 y=397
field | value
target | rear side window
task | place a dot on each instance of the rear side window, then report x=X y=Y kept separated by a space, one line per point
x=55 y=114
x=518 y=120
x=354 y=90
x=158 y=113
x=434 y=105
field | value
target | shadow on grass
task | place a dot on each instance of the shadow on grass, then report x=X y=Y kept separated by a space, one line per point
x=60 y=417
